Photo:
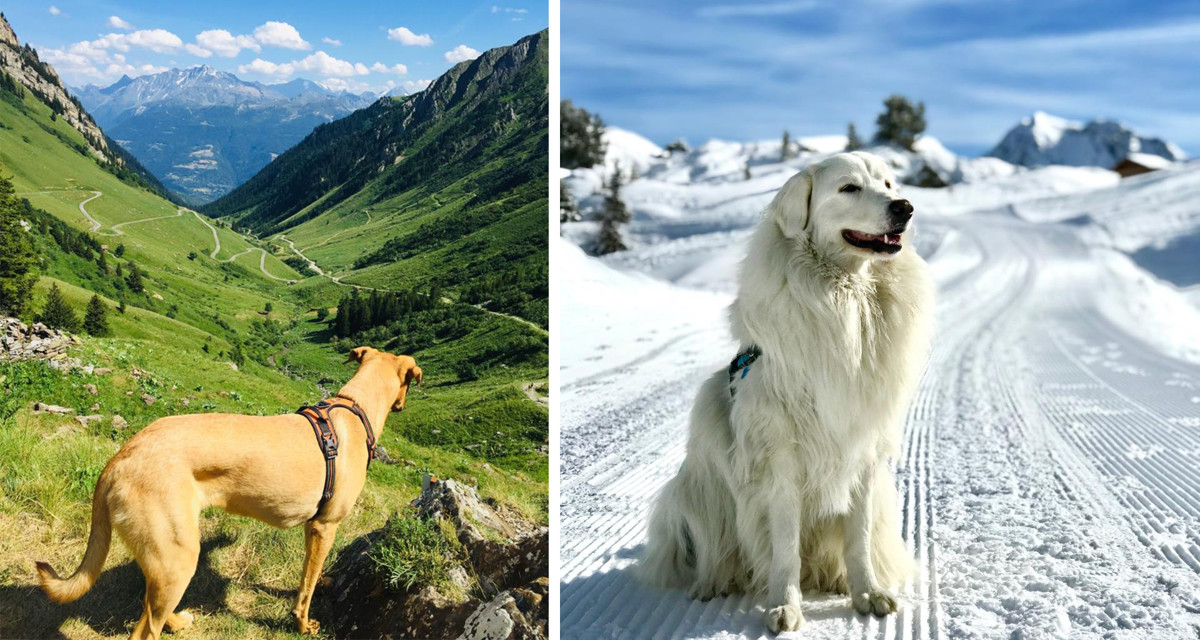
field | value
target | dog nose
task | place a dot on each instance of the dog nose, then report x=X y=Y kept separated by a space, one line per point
x=900 y=210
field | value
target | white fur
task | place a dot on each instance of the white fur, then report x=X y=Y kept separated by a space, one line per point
x=787 y=483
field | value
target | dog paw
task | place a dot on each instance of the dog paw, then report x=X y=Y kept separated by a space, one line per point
x=180 y=621
x=784 y=618
x=308 y=627
x=879 y=603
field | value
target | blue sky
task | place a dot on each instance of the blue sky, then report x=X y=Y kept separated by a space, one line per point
x=353 y=45
x=746 y=70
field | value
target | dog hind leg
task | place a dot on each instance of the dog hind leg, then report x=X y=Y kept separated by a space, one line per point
x=168 y=571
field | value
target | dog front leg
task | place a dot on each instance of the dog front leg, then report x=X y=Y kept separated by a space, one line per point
x=318 y=538
x=865 y=593
x=783 y=588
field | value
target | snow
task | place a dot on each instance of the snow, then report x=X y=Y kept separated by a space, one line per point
x=1050 y=457
x=628 y=149
x=1044 y=139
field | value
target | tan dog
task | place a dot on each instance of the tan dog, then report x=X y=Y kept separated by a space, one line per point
x=265 y=467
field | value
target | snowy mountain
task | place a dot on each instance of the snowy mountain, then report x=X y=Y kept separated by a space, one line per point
x=203 y=132
x=1044 y=139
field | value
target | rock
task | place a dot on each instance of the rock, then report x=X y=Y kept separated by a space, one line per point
x=186 y=402
x=95 y=407
x=19 y=341
x=148 y=399
x=232 y=365
x=156 y=296
x=506 y=555
x=381 y=455
x=41 y=407
x=517 y=614
x=119 y=423
x=102 y=371
x=91 y=389
x=86 y=420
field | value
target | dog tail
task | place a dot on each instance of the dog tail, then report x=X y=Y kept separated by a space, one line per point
x=64 y=590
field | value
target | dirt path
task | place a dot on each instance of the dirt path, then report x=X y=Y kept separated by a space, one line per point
x=262 y=259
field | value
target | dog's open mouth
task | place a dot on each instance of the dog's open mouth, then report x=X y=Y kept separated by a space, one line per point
x=883 y=243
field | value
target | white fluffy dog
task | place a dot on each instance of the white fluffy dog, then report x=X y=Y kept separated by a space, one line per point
x=787 y=483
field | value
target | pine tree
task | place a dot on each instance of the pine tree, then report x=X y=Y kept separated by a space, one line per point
x=614 y=214
x=121 y=306
x=568 y=211
x=901 y=122
x=120 y=251
x=787 y=146
x=135 y=279
x=853 y=142
x=17 y=257
x=95 y=322
x=56 y=313
x=581 y=137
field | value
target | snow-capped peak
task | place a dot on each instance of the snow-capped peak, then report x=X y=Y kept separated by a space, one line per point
x=1044 y=139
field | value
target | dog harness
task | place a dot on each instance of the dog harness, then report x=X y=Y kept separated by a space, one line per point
x=740 y=365
x=318 y=416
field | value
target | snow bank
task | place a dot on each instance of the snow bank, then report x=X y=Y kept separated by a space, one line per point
x=1146 y=210
x=616 y=312
x=1145 y=307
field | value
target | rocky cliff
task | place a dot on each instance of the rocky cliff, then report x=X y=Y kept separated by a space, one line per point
x=22 y=63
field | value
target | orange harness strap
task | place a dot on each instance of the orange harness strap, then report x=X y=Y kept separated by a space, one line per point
x=327 y=439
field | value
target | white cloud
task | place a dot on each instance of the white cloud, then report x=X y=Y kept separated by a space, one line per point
x=319 y=63
x=225 y=44
x=117 y=23
x=397 y=69
x=156 y=40
x=413 y=86
x=406 y=37
x=197 y=51
x=280 y=34
x=55 y=11
x=331 y=41
x=460 y=53
x=496 y=9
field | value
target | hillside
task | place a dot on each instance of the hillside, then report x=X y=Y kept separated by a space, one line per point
x=447 y=184
x=205 y=131
x=219 y=322
x=21 y=71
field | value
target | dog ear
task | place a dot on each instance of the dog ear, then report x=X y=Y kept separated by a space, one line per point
x=357 y=355
x=792 y=205
x=408 y=370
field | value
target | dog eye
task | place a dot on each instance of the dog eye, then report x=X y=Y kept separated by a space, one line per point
x=849 y=188
x=887 y=184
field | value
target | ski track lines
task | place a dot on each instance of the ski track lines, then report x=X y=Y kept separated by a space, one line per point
x=1048 y=473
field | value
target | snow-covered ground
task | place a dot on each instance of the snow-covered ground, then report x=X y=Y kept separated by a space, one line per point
x=1050 y=475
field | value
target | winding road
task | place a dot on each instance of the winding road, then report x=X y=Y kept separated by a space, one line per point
x=262 y=258
x=1050 y=475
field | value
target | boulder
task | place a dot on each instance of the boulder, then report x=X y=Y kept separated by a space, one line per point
x=119 y=423
x=506 y=559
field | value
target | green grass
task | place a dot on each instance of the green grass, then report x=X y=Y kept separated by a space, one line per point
x=412 y=552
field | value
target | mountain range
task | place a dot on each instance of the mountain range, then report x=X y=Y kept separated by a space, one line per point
x=1043 y=139
x=203 y=131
